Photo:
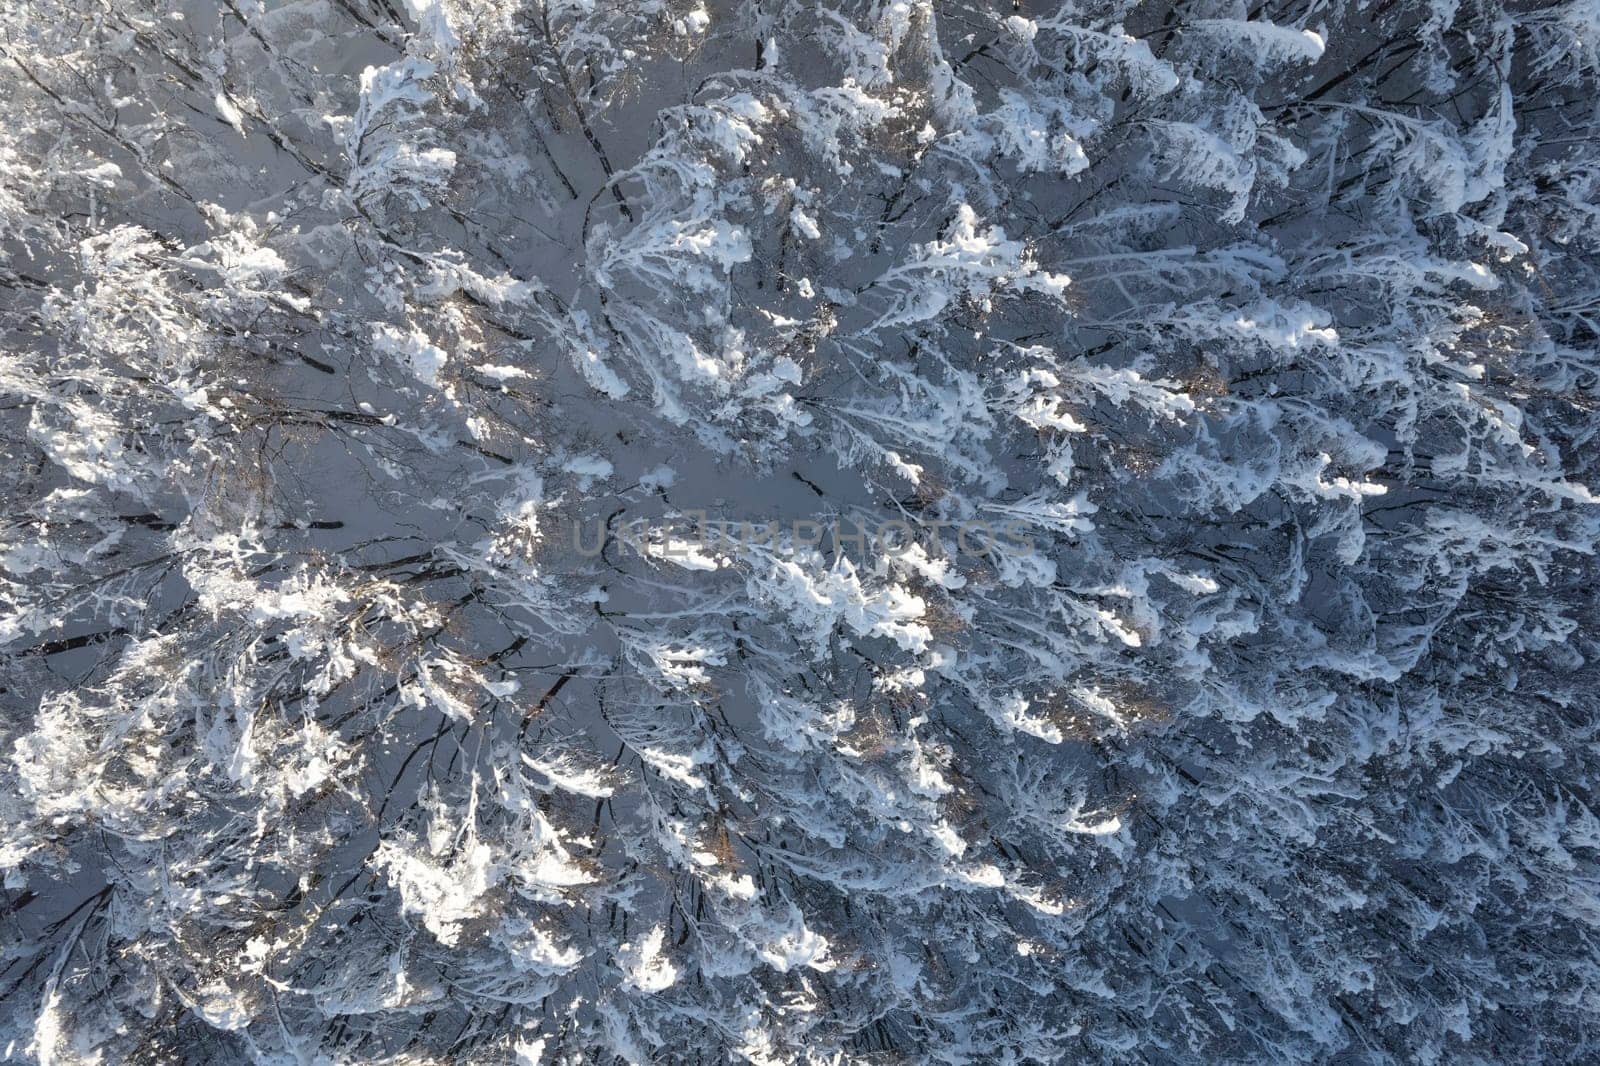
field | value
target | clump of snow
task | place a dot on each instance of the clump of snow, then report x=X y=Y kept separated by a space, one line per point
x=645 y=968
x=413 y=350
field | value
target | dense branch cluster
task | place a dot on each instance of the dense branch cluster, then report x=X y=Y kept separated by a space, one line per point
x=1232 y=368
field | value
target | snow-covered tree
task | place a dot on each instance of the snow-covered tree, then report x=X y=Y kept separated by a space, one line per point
x=589 y=531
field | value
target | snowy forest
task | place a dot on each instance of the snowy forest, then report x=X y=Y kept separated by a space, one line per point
x=799 y=531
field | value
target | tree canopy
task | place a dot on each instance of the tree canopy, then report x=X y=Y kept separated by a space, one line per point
x=444 y=616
